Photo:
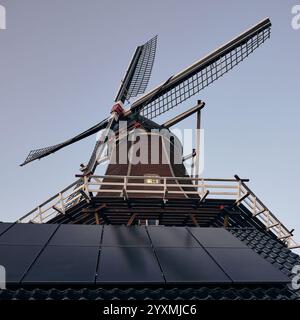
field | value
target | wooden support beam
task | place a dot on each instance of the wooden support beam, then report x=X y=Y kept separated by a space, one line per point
x=260 y=212
x=184 y=115
x=93 y=210
x=226 y=221
x=169 y=211
x=100 y=210
x=189 y=156
x=103 y=206
x=240 y=179
x=58 y=210
x=273 y=225
x=131 y=219
x=238 y=201
x=204 y=197
x=197 y=159
x=193 y=218
x=97 y=218
x=96 y=212
x=165 y=198
x=285 y=237
x=87 y=197
x=125 y=194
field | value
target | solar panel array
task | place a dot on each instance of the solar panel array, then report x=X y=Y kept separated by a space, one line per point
x=48 y=254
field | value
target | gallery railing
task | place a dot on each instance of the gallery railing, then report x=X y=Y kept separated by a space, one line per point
x=85 y=188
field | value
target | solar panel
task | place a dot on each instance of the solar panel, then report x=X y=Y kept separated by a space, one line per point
x=28 y=234
x=16 y=260
x=133 y=236
x=244 y=265
x=216 y=237
x=189 y=265
x=64 y=264
x=4 y=227
x=128 y=265
x=171 y=237
x=73 y=255
x=77 y=235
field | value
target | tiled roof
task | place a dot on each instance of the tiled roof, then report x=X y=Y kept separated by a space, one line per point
x=176 y=293
x=269 y=248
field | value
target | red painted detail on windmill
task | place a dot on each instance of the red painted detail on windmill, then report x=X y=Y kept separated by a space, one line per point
x=137 y=124
x=118 y=108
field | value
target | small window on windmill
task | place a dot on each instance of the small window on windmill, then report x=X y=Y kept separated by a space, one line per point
x=148 y=222
x=151 y=179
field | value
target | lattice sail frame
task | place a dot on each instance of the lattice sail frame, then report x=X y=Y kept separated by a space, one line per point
x=38 y=153
x=143 y=69
x=43 y=152
x=166 y=97
x=139 y=71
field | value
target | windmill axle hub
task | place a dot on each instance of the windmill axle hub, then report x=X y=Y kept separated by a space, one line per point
x=118 y=108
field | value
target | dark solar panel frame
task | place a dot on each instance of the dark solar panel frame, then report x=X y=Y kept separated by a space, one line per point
x=171 y=237
x=125 y=236
x=64 y=264
x=189 y=265
x=4 y=227
x=128 y=265
x=77 y=235
x=28 y=234
x=243 y=265
x=219 y=238
x=17 y=259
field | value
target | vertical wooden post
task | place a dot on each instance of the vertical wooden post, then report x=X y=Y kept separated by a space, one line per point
x=254 y=207
x=40 y=214
x=197 y=162
x=193 y=218
x=62 y=203
x=193 y=163
x=97 y=218
x=226 y=221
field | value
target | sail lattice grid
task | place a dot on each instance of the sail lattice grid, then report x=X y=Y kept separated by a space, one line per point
x=204 y=76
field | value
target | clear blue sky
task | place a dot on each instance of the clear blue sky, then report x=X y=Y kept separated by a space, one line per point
x=61 y=62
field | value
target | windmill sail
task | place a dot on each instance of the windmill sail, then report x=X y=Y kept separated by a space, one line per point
x=139 y=71
x=176 y=89
x=190 y=81
x=43 y=152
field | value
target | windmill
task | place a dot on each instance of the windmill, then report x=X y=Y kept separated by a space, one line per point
x=164 y=97
x=151 y=228
x=161 y=193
